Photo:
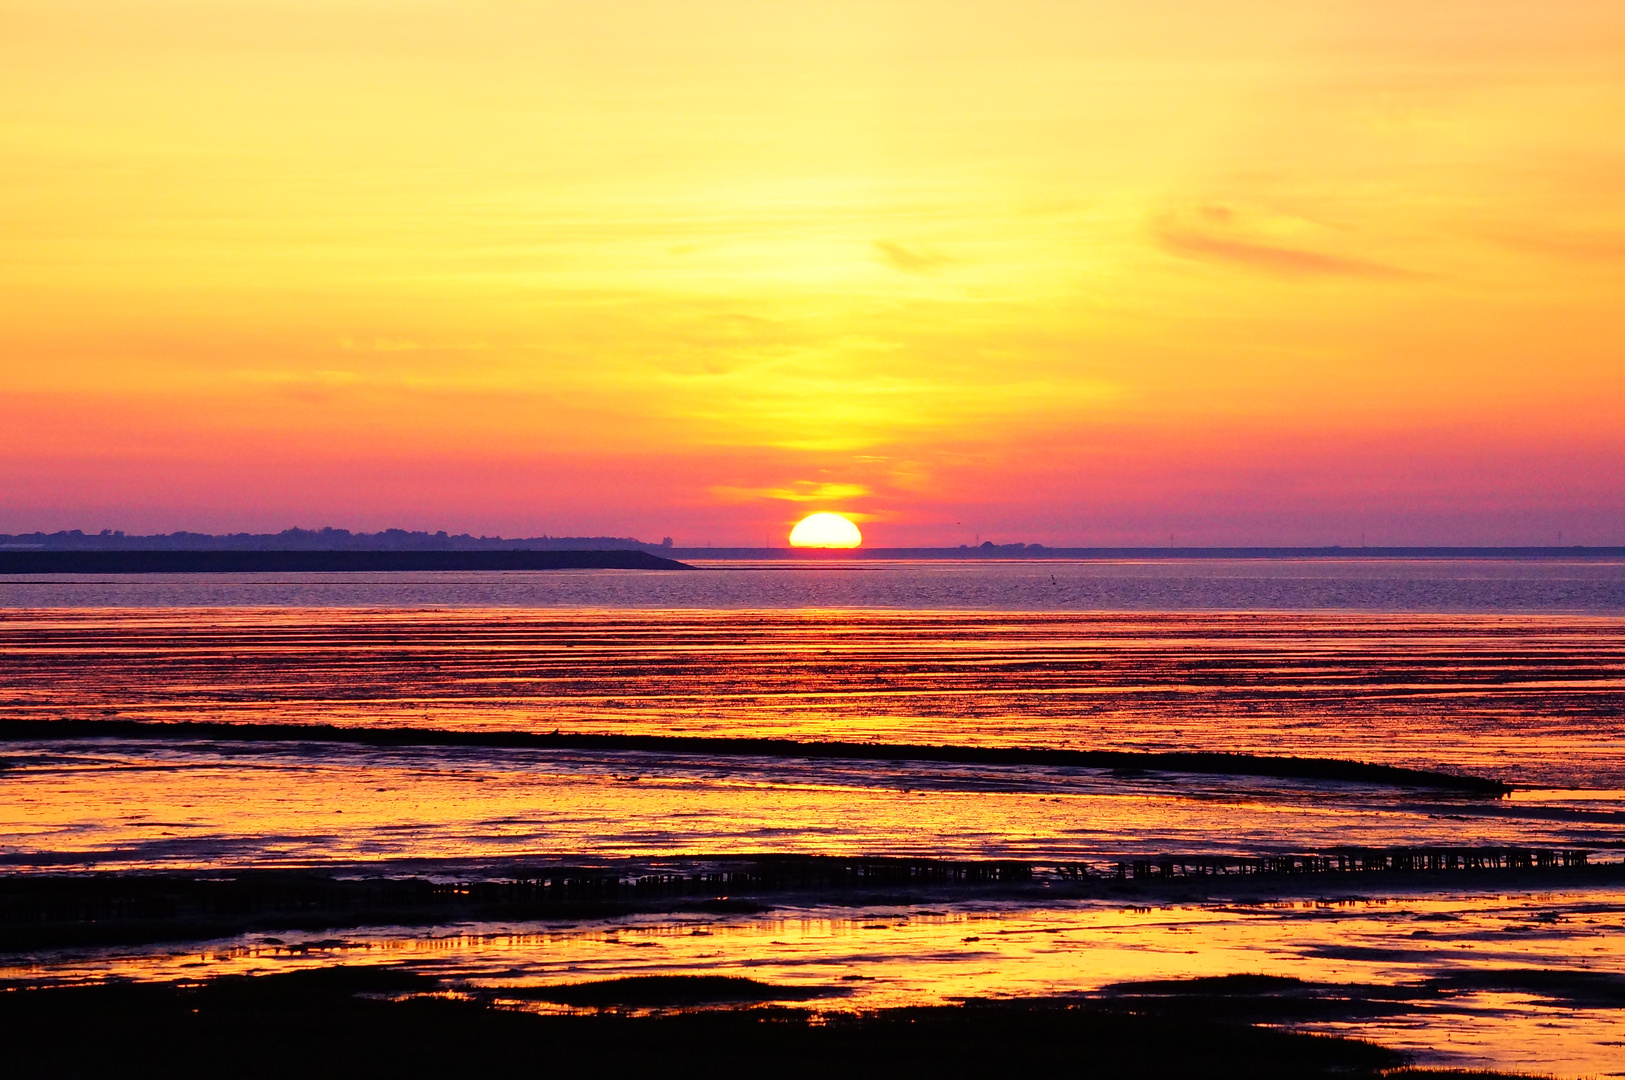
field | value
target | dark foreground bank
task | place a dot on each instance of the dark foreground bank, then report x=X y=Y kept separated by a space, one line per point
x=316 y=562
x=374 y=1022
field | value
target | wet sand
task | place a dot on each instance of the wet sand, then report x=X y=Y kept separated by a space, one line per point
x=389 y=1023
x=907 y=755
x=1511 y=969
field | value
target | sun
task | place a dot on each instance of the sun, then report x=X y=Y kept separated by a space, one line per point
x=825 y=530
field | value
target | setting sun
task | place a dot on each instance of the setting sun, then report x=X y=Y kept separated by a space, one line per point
x=825 y=530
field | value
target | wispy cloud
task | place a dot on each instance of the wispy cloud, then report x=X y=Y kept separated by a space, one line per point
x=407 y=345
x=1600 y=246
x=1220 y=233
x=1280 y=260
x=800 y=491
x=901 y=258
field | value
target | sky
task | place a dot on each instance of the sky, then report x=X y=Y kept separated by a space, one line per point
x=1200 y=271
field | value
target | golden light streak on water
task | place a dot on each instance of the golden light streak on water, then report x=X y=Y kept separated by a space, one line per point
x=1530 y=697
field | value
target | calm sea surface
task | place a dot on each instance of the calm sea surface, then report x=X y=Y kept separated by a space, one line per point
x=1502 y=668
x=1595 y=586
x=1506 y=668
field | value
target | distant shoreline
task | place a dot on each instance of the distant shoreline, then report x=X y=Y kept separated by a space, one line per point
x=393 y=542
x=249 y=562
x=1038 y=551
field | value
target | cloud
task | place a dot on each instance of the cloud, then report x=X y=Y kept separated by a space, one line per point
x=801 y=491
x=328 y=379
x=1581 y=246
x=1220 y=233
x=406 y=345
x=1296 y=262
x=901 y=258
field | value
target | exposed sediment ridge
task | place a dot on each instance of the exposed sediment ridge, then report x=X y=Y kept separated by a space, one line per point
x=40 y=910
x=1211 y=763
x=302 y=562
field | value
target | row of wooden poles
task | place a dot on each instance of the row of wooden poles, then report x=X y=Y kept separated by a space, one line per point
x=769 y=875
x=1343 y=861
x=31 y=899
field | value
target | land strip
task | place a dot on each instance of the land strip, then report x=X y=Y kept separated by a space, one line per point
x=305 y=562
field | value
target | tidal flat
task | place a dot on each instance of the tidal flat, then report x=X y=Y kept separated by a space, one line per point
x=1520 y=969
x=831 y=818
x=346 y=1022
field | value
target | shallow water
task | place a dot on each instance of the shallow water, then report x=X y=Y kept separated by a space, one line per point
x=1588 y=585
x=1534 y=699
x=1499 y=668
x=117 y=804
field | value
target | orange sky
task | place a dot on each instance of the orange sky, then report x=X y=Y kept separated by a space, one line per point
x=1238 y=272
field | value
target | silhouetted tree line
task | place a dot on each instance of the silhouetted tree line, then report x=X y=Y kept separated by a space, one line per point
x=318 y=540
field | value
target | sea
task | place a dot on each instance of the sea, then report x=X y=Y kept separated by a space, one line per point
x=1512 y=669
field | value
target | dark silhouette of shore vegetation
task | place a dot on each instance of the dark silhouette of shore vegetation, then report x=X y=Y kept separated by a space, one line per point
x=325 y=539
x=308 y=562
